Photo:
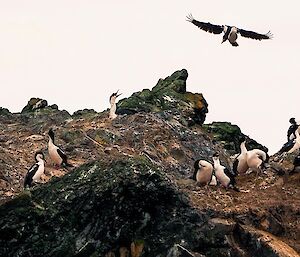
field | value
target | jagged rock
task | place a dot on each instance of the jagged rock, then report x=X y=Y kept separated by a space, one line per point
x=265 y=244
x=84 y=113
x=170 y=98
x=229 y=134
x=100 y=208
x=34 y=104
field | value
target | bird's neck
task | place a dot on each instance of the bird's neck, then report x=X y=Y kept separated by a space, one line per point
x=243 y=147
x=113 y=108
x=217 y=163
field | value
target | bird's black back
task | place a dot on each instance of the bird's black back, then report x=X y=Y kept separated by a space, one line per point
x=30 y=174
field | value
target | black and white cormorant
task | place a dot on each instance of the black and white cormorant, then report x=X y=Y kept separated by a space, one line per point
x=36 y=170
x=224 y=175
x=113 y=106
x=230 y=32
x=56 y=154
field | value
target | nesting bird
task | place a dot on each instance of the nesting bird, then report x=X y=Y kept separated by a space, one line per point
x=230 y=32
x=240 y=165
x=203 y=173
x=291 y=145
x=256 y=159
x=55 y=153
x=113 y=106
x=292 y=129
x=296 y=142
x=223 y=175
x=36 y=170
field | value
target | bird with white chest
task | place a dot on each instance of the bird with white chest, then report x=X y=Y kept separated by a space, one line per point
x=257 y=159
x=113 y=105
x=56 y=154
x=230 y=32
x=223 y=175
x=36 y=170
x=203 y=173
x=240 y=165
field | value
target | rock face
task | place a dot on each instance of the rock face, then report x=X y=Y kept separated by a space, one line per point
x=228 y=135
x=131 y=193
x=100 y=208
x=170 y=98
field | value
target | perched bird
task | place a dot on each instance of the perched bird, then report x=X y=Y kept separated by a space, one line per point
x=291 y=145
x=256 y=159
x=203 y=173
x=223 y=175
x=35 y=172
x=296 y=145
x=240 y=165
x=55 y=153
x=292 y=129
x=113 y=106
x=230 y=32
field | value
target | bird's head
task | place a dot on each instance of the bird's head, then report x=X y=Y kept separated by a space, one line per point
x=216 y=156
x=39 y=156
x=51 y=134
x=114 y=96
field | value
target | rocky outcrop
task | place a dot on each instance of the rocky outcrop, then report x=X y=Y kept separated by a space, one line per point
x=229 y=134
x=170 y=98
x=131 y=192
x=98 y=209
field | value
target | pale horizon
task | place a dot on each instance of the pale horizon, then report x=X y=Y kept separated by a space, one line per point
x=75 y=54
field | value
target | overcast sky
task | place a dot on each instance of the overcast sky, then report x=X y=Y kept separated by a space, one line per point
x=76 y=53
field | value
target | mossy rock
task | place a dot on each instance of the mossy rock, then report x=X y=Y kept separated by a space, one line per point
x=170 y=95
x=229 y=136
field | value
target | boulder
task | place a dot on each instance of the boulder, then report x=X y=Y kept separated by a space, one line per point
x=169 y=98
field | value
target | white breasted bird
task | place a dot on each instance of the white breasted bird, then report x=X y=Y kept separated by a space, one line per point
x=256 y=159
x=56 y=154
x=113 y=106
x=203 y=172
x=223 y=175
x=230 y=32
x=240 y=165
x=36 y=170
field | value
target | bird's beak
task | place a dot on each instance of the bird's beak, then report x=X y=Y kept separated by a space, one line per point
x=118 y=94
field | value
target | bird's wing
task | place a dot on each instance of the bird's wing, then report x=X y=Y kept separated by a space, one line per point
x=254 y=35
x=62 y=155
x=30 y=174
x=206 y=26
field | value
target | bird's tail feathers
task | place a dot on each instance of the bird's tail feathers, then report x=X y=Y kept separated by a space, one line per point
x=234 y=44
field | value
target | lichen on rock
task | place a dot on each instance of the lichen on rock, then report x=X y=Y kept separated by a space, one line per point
x=169 y=95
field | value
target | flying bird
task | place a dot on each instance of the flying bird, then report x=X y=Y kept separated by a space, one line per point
x=230 y=32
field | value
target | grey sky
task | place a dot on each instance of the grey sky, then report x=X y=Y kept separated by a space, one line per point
x=76 y=53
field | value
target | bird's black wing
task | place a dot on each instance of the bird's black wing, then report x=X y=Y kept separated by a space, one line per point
x=254 y=35
x=30 y=174
x=64 y=158
x=62 y=155
x=287 y=146
x=206 y=26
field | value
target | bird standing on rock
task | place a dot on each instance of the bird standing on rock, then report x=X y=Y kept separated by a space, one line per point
x=240 y=165
x=56 y=154
x=203 y=173
x=257 y=159
x=113 y=106
x=223 y=175
x=36 y=170
x=230 y=32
